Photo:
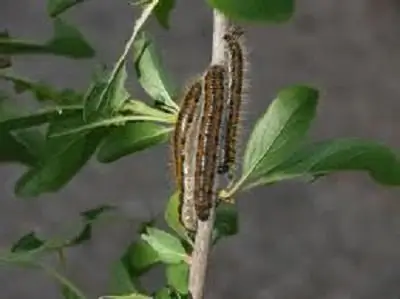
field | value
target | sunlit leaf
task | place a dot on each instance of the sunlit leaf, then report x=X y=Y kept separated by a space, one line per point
x=140 y=257
x=279 y=132
x=322 y=158
x=169 y=248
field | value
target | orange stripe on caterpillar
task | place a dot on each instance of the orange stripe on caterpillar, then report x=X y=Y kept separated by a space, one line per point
x=183 y=124
x=236 y=65
x=208 y=140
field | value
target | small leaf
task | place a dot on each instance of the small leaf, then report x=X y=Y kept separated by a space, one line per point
x=169 y=248
x=172 y=216
x=330 y=156
x=163 y=11
x=27 y=243
x=150 y=72
x=67 y=41
x=140 y=257
x=121 y=282
x=178 y=277
x=52 y=173
x=130 y=296
x=255 y=10
x=226 y=223
x=279 y=132
x=164 y=293
x=131 y=138
x=42 y=91
x=57 y=7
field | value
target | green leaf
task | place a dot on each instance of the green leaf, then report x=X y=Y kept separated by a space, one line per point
x=67 y=41
x=18 y=146
x=42 y=91
x=163 y=11
x=330 y=156
x=279 y=132
x=121 y=282
x=57 y=7
x=151 y=73
x=52 y=172
x=255 y=10
x=23 y=147
x=169 y=248
x=39 y=117
x=131 y=138
x=27 y=243
x=130 y=296
x=178 y=277
x=140 y=257
x=226 y=223
x=119 y=67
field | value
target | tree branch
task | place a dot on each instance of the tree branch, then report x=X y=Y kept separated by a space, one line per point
x=202 y=244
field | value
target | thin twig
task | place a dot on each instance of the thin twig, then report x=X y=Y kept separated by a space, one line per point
x=202 y=244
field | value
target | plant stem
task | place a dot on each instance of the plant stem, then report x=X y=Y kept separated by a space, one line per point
x=202 y=244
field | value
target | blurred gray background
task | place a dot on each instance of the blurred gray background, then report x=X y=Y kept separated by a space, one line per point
x=338 y=238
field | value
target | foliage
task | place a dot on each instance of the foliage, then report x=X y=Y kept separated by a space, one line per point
x=55 y=142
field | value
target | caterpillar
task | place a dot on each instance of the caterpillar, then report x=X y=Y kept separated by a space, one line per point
x=236 y=68
x=184 y=123
x=208 y=139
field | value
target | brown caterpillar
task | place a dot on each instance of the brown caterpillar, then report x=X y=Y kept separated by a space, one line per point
x=236 y=67
x=184 y=123
x=208 y=139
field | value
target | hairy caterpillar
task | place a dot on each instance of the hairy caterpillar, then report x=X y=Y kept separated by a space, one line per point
x=181 y=148
x=208 y=139
x=236 y=69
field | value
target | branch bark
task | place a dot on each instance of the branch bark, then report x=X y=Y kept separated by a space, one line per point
x=202 y=246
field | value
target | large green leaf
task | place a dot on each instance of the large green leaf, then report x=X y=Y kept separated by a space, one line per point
x=42 y=91
x=255 y=10
x=279 y=132
x=169 y=248
x=67 y=41
x=151 y=73
x=326 y=157
x=131 y=138
x=57 y=7
x=62 y=158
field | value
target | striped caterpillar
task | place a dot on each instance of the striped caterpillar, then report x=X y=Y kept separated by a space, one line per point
x=236 y=69
x=182 y=146
x=208 y=139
